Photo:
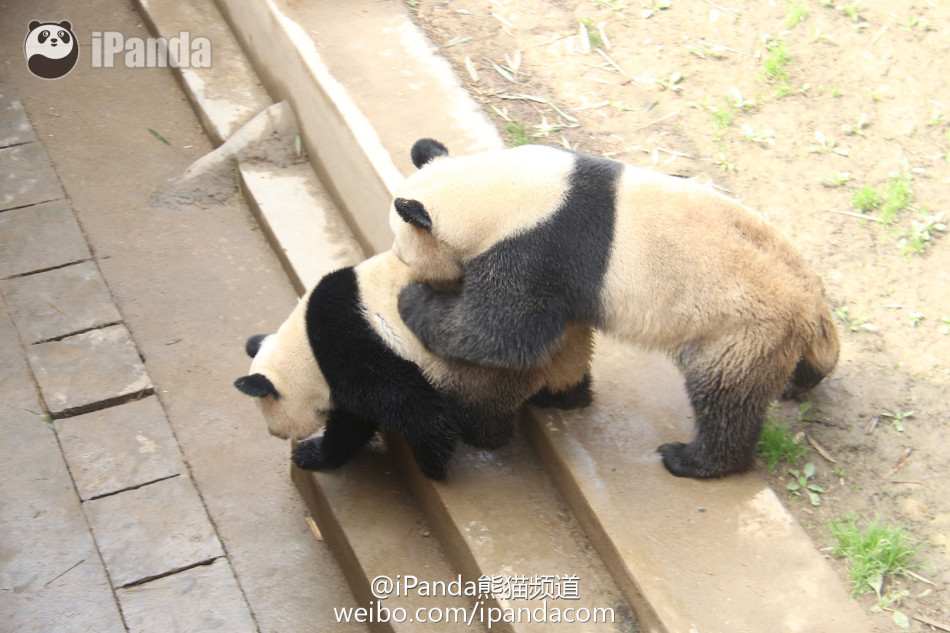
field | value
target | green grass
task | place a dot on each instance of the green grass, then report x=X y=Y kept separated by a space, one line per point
x=866 y=199
x=897 y=196
x=518 y=134
x=777 y=444
x=795 y=12
x=776 y=62
x=593 y=34
x=723 y=117
x=874 y=554
x=775 y=68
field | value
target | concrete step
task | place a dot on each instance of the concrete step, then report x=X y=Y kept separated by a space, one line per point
x=691 y=555
x=686 y=555
x=502 y=520
x=225 y=95
x=383 y=543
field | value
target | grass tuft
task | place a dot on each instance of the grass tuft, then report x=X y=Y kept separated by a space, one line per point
x=776 y=62
x=897 y=196
x=866 y=199
x=777 y=444
x=874 y=554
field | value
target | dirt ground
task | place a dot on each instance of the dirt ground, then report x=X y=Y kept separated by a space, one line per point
x=792 y=108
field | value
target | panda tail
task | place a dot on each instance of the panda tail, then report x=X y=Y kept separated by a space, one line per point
x=818 y=359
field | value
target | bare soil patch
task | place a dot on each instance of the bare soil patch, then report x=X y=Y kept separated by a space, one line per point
x=792 y=108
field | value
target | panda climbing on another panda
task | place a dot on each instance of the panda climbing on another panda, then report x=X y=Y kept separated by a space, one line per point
x=343 y=359
x=51 y=49
x=543 y=238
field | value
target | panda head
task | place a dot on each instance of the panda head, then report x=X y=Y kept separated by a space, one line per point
x=455 y=208
x=51 y=49
x=285 y=380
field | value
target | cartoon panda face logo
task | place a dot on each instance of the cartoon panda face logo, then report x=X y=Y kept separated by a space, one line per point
x=51 y=49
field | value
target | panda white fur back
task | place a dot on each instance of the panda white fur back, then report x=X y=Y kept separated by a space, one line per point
x=345 y=360
x=542 y=237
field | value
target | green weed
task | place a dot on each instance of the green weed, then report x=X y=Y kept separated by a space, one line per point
x=917 y=239
x=874 y=554
x=802 y=484
x=897 y=418
x=839 y=179
x=855 y=324
x=725 y=163
x=723 y=117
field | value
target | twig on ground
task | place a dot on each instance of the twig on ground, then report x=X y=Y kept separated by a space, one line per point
x=899 y=464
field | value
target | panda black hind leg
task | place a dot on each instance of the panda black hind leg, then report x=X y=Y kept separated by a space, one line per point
x=431 y=449
x=345 y=435
x=577 y=397
x=730 y=389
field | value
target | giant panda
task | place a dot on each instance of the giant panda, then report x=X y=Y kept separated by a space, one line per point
x=542 y=237
x=344 y=360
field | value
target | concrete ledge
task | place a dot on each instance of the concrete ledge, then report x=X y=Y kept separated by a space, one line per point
x=693 y=554
x=301 y=222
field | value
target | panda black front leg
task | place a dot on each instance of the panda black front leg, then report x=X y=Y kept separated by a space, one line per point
x=345 y=435
x=482 y=326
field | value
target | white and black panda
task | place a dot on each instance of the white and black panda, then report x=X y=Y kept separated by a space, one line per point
x=344 y=360
x=51 y=49
x=542 y=237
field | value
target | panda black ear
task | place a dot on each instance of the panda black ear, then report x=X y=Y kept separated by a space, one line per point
x=253 y=345
x=34 y=24
x=413 y=212
x=257 y=386
x=425 y=150
x=66 y=25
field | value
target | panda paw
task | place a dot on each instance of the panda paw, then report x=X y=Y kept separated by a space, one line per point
x=684 y=460
x=310 y=455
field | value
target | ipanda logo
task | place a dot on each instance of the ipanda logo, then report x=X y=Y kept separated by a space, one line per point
x=182 y=51
x=51 y=49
